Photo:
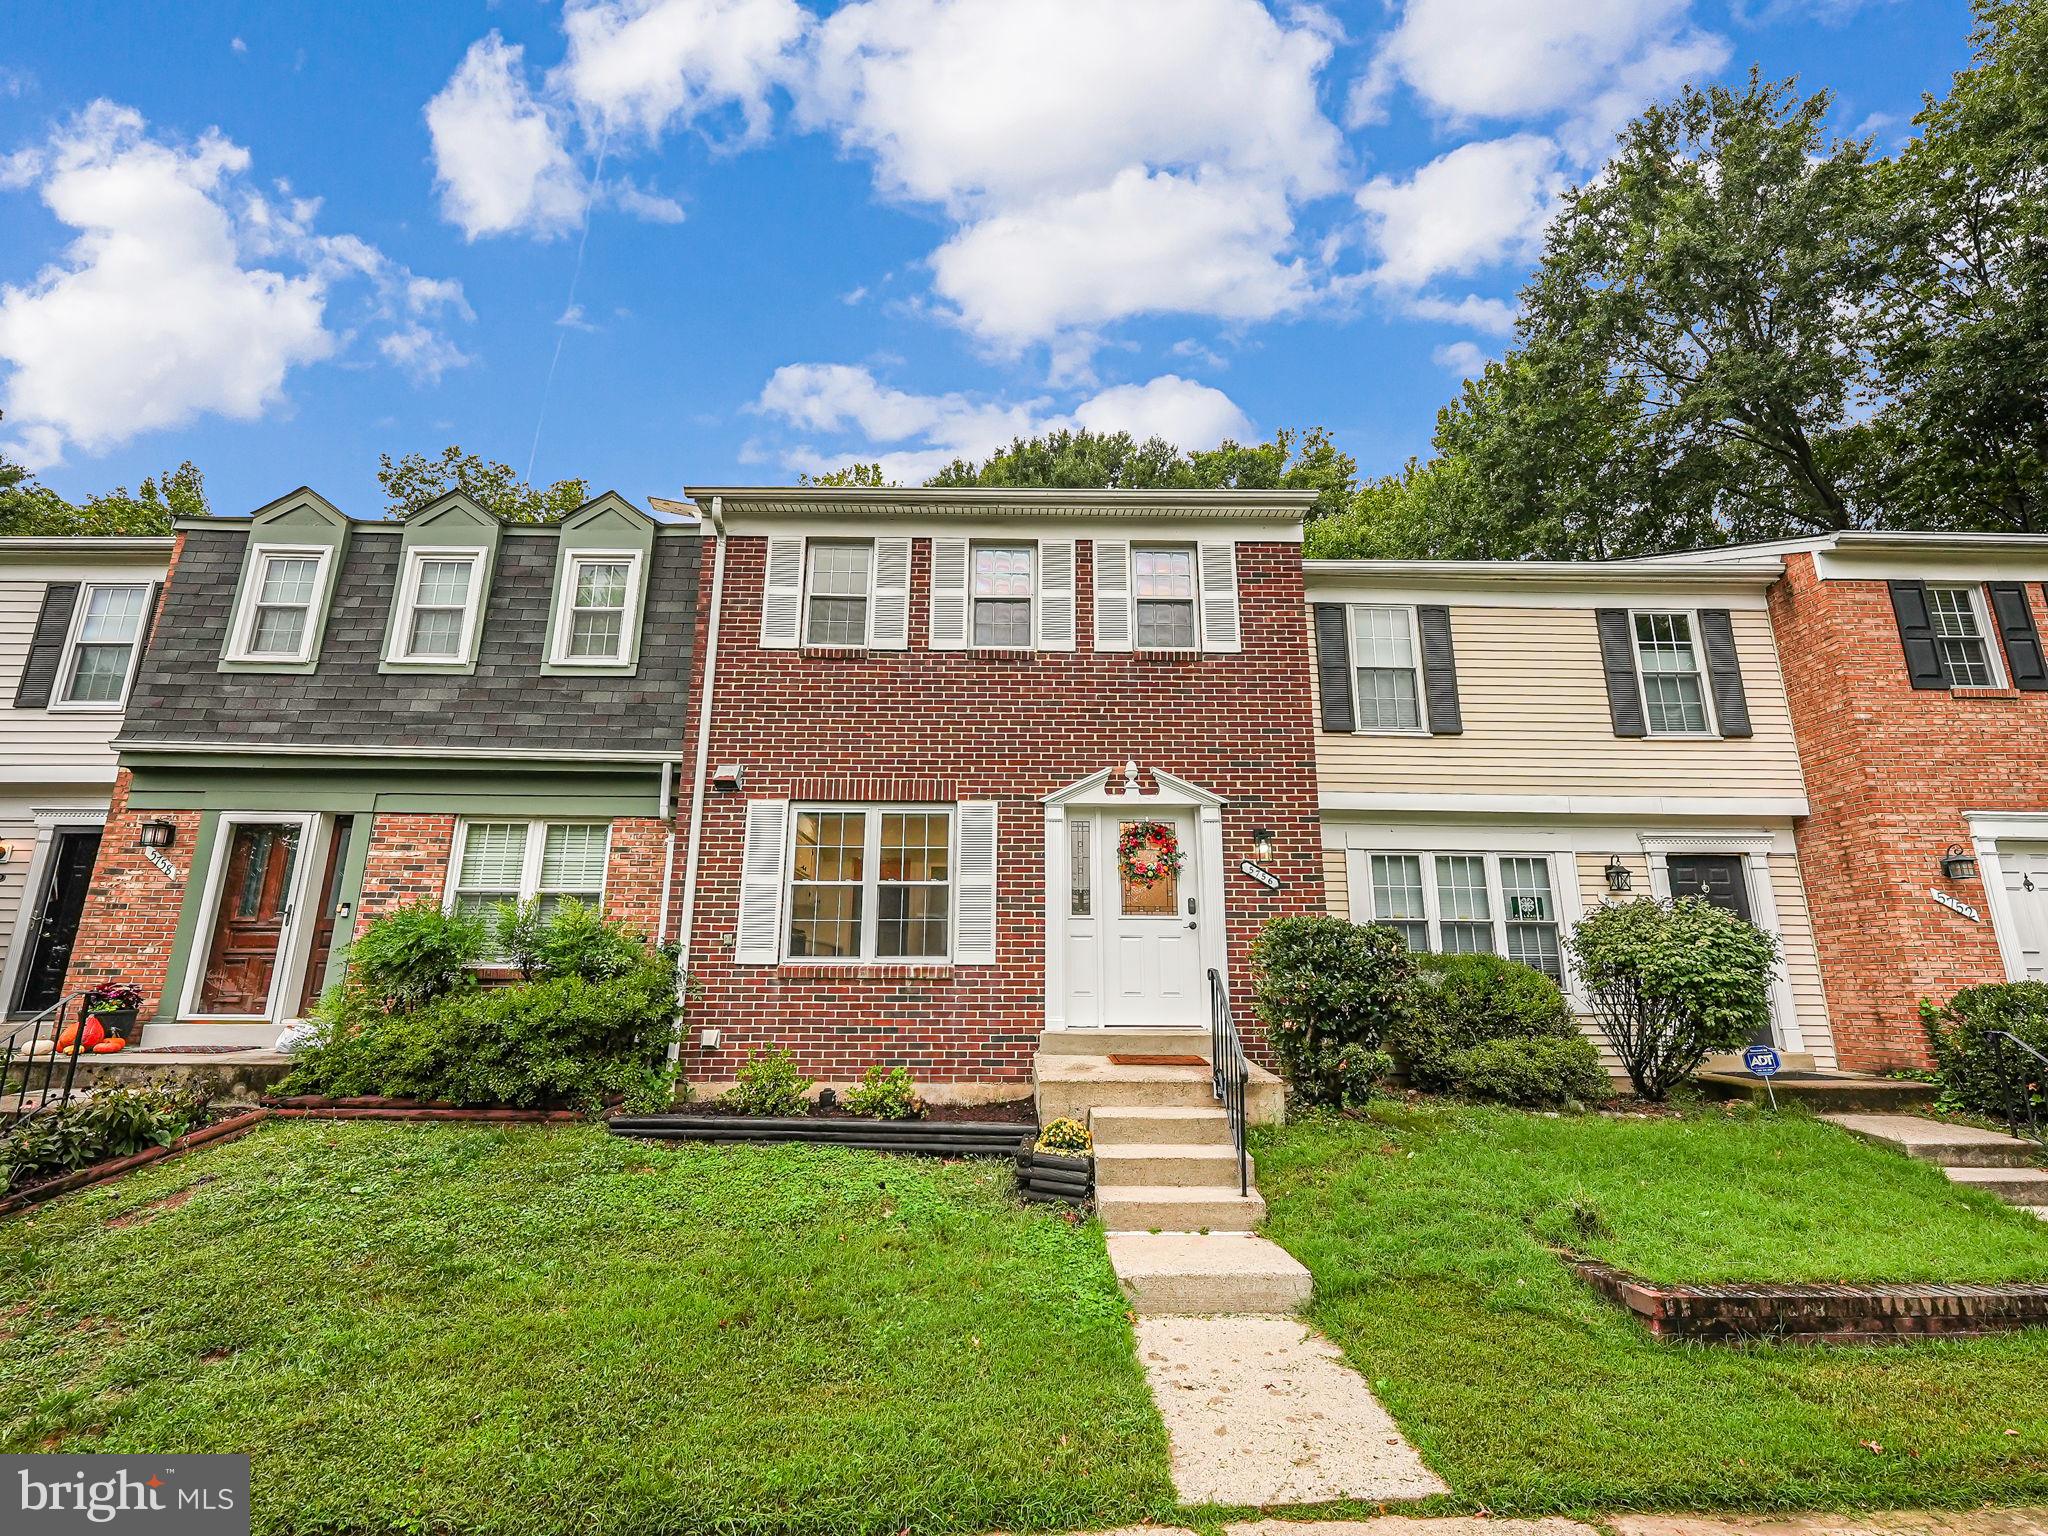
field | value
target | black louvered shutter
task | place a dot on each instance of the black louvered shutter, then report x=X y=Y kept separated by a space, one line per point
x=1439 y=670
x=1333 y=667
x=1618 y=661
x=53 y=623
x=2023 y=658
x=1724 y=672
x=1916 y=634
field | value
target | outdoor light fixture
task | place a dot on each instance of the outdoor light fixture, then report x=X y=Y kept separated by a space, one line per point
x=1957 y=864
x=156 y=833
x=1617 y=873
x=1262 y=844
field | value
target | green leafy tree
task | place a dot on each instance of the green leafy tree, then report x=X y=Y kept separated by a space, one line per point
x=416 y=481
x=855 y=475
x=30 y=509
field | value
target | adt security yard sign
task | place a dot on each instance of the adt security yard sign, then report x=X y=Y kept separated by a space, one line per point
x=1764 y=1061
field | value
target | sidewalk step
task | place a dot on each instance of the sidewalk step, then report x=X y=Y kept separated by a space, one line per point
x=1181 y=1166
x=1201 y=1274
x=1932 y=1141
x=1136 y=1042
x=1073 y=1086
x=1152 y=1208
x=1165 y=1124
x=2015 y=1186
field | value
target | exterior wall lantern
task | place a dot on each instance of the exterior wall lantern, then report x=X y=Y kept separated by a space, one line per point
x=156 y=833
x=1957 y=864
x=1617 y=873
x=1262 y=844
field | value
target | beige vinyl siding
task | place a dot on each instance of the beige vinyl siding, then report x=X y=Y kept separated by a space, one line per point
x=50 y=738
x=1336 y=883
x=1534 y=701
x=19 y=833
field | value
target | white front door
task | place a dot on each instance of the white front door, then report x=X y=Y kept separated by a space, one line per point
x=1133 y=950
x=2024 y=869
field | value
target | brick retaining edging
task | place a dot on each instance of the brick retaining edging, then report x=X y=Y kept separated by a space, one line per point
x=1816 y=1314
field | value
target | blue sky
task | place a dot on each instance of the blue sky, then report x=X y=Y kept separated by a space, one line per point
x=279 y=240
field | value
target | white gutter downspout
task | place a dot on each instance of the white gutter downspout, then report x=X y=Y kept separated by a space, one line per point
x=668 y=849
x=688 y=926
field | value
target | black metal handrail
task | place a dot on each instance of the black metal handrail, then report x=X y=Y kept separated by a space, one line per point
x=20 y=1100
x=1229 y=1072
x=2022 y=1102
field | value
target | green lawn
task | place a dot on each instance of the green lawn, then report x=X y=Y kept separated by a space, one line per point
x=1428 y=1231
x=455 y=1329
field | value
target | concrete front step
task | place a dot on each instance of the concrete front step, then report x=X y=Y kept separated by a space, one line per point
x=1168 y=1208
x=1135 y=1042
x=1952 y=1146
x=1822 y=1091
x=1181 y=1166
x=2015 y=1186
x=1204 y=1274
x=1074 y=1086
x=1116 y=1126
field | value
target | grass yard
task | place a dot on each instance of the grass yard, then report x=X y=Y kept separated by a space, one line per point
x=1427 y=1230
x=516 y=1329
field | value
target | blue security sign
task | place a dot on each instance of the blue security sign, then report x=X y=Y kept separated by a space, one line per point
x=1762 y=1060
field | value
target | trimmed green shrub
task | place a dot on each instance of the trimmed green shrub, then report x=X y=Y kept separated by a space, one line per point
x=1328 y=991
x=768 y=1083
x=1990 y=1077
x=1673 y=982
x=414 y=954
x=576 y=939
x=1065 y=1137
x=886 y=1093
x=1462 y=1001
x=1544 y=1072
x=116 y=1122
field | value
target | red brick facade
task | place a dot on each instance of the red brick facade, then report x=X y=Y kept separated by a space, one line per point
x=1889 y=772
x=943 y=726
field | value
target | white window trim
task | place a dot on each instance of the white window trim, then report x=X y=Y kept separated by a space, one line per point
x=803 y=627
x=245 y=619
x=68 y=657
x=871 y=881
x=530 y=856
x=1699 y=661
x=1193 y=551
x=1988 y=634
x=396 y=650
x=565 y=607
x=1030 y=599
x=1360 y=876
x=1351 y=672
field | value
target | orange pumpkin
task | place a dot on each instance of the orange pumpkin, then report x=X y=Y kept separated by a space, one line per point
x=95 y=1032
x=67 y=1037
x=108 y=1046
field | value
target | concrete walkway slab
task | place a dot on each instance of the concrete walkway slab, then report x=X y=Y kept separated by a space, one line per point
x=1412 y=1525
x=1181 y=1274
x=1909 y=1522
x=1262 y=1410
x=1936 y=1141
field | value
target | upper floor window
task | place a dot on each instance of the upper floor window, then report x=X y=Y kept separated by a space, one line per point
x=1002 y=596
x=1468 y=903
x=1674 y=694
x=1386 y=668
x=1163 y=585
x=870 y=884
x=836 y=594
x=99 y=657
x=596 y=622
x=1960 y=636
x=277 y=619
x=437 y=605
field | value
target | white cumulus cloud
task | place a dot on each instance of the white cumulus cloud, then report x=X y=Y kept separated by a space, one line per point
x=648 y=64
x=1188 y=414
x=1477 y=206
x=499 y=157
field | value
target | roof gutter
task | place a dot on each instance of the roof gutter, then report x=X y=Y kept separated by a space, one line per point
x=687 y=928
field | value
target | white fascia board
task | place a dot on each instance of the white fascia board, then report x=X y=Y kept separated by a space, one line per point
x=1741 y=807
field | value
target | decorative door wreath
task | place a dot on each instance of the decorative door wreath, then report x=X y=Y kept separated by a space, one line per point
x=1148 y=852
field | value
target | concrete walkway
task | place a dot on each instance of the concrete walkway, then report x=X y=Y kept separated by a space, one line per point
x=1969 y=1522
x=2000 y=1165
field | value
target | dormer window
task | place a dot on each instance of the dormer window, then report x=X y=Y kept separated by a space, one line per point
x=276 y=623
x=437 y=606
x=594 y=625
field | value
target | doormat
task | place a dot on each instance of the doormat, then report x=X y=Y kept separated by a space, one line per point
x=1144 y=1059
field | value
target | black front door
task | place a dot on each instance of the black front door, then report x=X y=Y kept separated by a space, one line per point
x=1718 y=877
x=56 y=920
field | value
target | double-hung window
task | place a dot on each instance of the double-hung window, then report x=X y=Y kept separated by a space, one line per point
x=106 y=632
x=437 y=609
x=836 y=593
x=1674 y=692
x=594 y=626
x=1385 y=663
x=522 y=861
x=277 y=619
x=870 y=883
x=1002 y=596
x=1960 y=634
x=1163 y=587
x=1468 y=903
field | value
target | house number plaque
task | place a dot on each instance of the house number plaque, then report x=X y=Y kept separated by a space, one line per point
x=170 y=870
x=1960 y=908
x=1265 y=877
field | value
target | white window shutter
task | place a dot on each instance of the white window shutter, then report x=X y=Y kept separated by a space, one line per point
x=1055 y=594
x=974 y=921
x=949 y=594
x=758 y=937
x=889 y=596
x=782 y=594
x=1112 y=595
x=1220 y=627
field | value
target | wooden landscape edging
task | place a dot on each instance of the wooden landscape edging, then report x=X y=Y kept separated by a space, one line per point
x=1746 y=1312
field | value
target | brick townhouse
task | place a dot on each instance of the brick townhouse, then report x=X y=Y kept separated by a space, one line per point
x=1914 y=672
x=986 y=766
x=335 y=717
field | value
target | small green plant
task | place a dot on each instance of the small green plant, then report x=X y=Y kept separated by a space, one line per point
x=1548 y=1072
x=1461 y=1001
x=768 y=1083
x=886 y=1093
x=1328 y=992
x=575 y=939
x=414 y=954
x=1982 y=1075
x=1065 y=1137
x=116 y=1122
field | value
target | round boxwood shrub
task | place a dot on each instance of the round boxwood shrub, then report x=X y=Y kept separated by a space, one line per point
x=1462 y=1001
x=1328 y=991
x=1990 y=1077
x=1541 y=1072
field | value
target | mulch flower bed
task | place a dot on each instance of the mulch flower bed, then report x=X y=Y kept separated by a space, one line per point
x=1009 y=1112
